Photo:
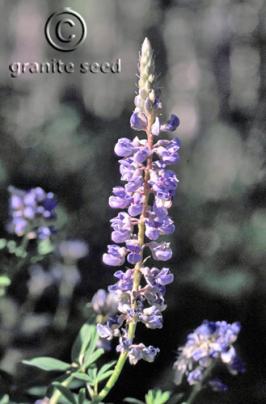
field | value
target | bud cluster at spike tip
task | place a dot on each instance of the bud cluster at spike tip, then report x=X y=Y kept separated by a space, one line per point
x=31 y=212
x=147 y=101
x=210 y=343
x=138 y=157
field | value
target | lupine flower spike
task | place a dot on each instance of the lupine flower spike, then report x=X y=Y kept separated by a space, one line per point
x=144 y=200
x=31 y=213
x=208 y=345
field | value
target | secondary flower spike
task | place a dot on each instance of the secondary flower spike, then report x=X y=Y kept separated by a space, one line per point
x=31 y=212
x=145 y=197
x=209 y=344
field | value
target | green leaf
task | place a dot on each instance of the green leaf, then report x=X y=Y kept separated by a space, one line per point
x=86 y=339
x=157 y=397
x=92 y=373
x=91 y=357
x=104 y=376
x=65 y=392
x=104 y=372
x=37 y=391
x=47 y=363
x=82 y=376
x=106 y=367
x=133 y=400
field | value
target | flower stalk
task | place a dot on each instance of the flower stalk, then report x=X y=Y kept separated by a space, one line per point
x=143 y=168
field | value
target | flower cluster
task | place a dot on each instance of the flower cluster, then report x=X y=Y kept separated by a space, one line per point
x=145 y=199
x=209 y=344
x=31 y=212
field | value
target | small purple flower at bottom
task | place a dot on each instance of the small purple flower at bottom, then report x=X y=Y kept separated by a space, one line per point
x=209 y=344
x=137 y=352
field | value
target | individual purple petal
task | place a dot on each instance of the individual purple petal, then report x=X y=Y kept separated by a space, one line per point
x=123 y=147
x=195 y=376
x=120 y=236
x=141 y=155
x=160 y=251
x=138 y=121
x=115 y=255
x=104 y=331
x=120 y=199
x=171 y=124
x=155 y=129
x=217 y=385
x=149 y=353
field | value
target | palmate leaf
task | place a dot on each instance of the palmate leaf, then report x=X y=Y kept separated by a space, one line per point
x=91 y=357
x=85 y=345
x=104 y=372
x=82 y=376
x=157 y=397
x=48 y=364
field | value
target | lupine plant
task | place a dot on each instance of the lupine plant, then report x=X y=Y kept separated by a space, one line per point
x=139 y=243
x=31 y=218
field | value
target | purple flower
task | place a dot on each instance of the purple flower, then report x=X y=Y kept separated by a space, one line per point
x=137 y=352
x=124 y=147
x=152 y=317
x=115 y=255
x=146 y=197
x=122 y=227
x=210 y=343
x=134 y=255
x=125 y=281
x=171 y=124
x=164 y=183
x=141 y=155
x=217 y=385
x=167 y=150
x=104 y=303
x=104 y=331
x=160 y=251
x=195 y=376
x=31 y=212
x=155 y=129
x=120 y=200
x=138 y=121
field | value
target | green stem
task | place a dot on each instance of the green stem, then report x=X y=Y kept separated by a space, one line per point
x=137 y=274
x=114 y=377
x=57 y=394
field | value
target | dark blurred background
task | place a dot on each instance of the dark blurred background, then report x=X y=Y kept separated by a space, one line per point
x=58 y=131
